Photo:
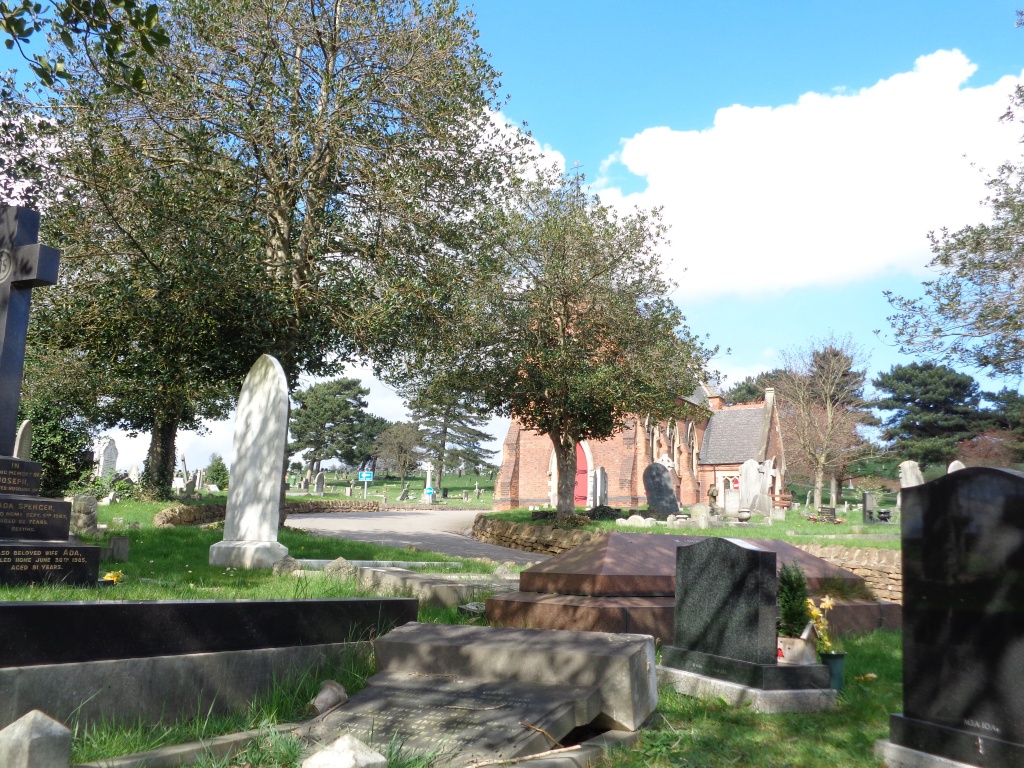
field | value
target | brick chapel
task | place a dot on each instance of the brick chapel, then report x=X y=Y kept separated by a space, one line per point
x=698 y=452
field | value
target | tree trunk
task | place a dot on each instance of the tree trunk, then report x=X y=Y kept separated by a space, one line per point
x=160 y=460
x=819 y=481
x=565 y=460
x=442 y=441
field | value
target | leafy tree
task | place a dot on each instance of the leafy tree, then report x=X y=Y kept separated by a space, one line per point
x=217 y=472
x=934 y=407
x=573 y=333
x=331 y=422
x=113 y=31
x=400 y=448
x=972 y=314
x=450 y=424
x=60 y=442
x=751 y=389
x=820 y=406
x=992 y=448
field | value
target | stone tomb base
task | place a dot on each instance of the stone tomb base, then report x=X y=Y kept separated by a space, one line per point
x=639 y=615
x=769 y=677
x=970 y=747
x=759 y=700
x=895 y=756
x=247 y=554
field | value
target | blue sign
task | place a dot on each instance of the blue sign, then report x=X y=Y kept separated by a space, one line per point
x=365 y=477
x=429 y=491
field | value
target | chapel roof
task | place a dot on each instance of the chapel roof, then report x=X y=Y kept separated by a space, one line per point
x=733 y=436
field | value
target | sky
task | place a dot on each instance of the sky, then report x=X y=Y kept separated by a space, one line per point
x=801 y=152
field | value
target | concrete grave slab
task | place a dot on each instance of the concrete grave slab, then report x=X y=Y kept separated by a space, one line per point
x=758 y=699
x=469 y=720
x=621 y=666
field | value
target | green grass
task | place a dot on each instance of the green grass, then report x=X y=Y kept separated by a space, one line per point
x=707 y=732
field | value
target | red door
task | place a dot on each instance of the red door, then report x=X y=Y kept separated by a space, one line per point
x=580 y=494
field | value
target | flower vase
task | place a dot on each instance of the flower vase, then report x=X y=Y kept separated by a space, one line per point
x=799 y=650
x=835 y=661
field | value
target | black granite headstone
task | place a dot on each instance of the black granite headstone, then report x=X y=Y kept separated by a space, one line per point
x=34 y=544
x=661 y=495
x=963 y=618
x=726 y=612
x=868 y=506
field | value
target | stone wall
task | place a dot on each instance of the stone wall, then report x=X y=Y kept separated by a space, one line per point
x=528 y=538
x=201 y=514
x=881 y=569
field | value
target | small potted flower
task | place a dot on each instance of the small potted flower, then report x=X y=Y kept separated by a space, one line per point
x=797 y=642
x=829 y=649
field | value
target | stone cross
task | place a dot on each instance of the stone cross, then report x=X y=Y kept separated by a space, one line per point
x=24 y=265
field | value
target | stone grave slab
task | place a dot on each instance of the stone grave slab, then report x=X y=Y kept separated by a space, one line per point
x=638 y=615
x=726 y=612
x=466 y=720
x=963 y=618
x=620 y=665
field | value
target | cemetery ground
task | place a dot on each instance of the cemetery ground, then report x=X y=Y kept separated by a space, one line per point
x=171 y=563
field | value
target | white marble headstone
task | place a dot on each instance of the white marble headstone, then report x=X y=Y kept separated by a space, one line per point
x=750 y=482
x=257 y=471
x=23 y=442
x=910 y=474
x=955 y=466
x=106 y=458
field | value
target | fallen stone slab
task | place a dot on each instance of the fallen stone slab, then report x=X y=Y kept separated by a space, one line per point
x=638 y=615
x=466 y=720
x=620 y=665
x=432 y=589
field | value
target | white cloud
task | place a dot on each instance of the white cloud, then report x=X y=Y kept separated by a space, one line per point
x=834 y=188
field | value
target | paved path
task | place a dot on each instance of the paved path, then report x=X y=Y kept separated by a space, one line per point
x=442 y=530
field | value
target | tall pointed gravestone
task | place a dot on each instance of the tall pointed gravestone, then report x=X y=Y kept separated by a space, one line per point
x=963 y=622
x=34 y=544
x=257 y=471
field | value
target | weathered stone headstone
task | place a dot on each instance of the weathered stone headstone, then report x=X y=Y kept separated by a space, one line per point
x=23 y=442
x=134 y=474
x=348 y=490
x=404 y=495
x=868 y=505
x=955 y=466
x=106 y=459
x=598 y=492
x=963 y=618
x=84 y=515
x=35 y=741
x=910 y=474
x=661 y=496
x=730 y=502
x=750 y=482
x=318 y=483
x=257 y=456
x=725 y=622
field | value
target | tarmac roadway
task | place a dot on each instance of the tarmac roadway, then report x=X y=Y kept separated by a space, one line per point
x=444 y=530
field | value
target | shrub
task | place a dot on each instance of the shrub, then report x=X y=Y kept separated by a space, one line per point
x=793 y=612
x=217 y=472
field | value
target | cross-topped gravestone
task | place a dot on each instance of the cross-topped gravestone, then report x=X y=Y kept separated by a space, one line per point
x=24 y=265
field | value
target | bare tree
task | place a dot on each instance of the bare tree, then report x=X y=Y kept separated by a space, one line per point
x=820 y=393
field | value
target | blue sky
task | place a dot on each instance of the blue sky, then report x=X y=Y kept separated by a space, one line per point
x=801 y=151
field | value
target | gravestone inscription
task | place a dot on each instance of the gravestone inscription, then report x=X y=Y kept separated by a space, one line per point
x=963 y=618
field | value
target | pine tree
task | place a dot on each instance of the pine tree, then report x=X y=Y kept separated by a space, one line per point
x=217 y=472
x=450 y=424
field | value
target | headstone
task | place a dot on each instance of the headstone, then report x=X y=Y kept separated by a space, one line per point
x=963 y=618
x=465 y=494
x=305 y=484
x=750 y=482
x=84 y=515
x=403 y=496
x=910 y=474
x=444 y=493
x=730 y=502
x=955 y=466
x=178 y=483
x=828 y=513
x=808 y=500
x=35 y=741
x=598 y=492
x=23 y=442
x=725 y=622
x=318 y=484
x=479 y=493
x=661 y=496
x=134 y=474
x=254 y=496
x=348 y=490
x=189 y=489
x=868 y=505
x=106 y=461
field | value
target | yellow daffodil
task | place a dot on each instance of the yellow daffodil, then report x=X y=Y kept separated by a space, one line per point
x=114 y=576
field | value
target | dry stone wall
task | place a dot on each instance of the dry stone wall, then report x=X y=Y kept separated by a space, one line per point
x=528 y=538
x=881 y=569
x=201 y=514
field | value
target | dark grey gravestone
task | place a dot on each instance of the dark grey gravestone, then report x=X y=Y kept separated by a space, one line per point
x=963 y=618
x=465 y=720
x=868 y=504
x=661 y=496
x=34 y=544
x=726 y=612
